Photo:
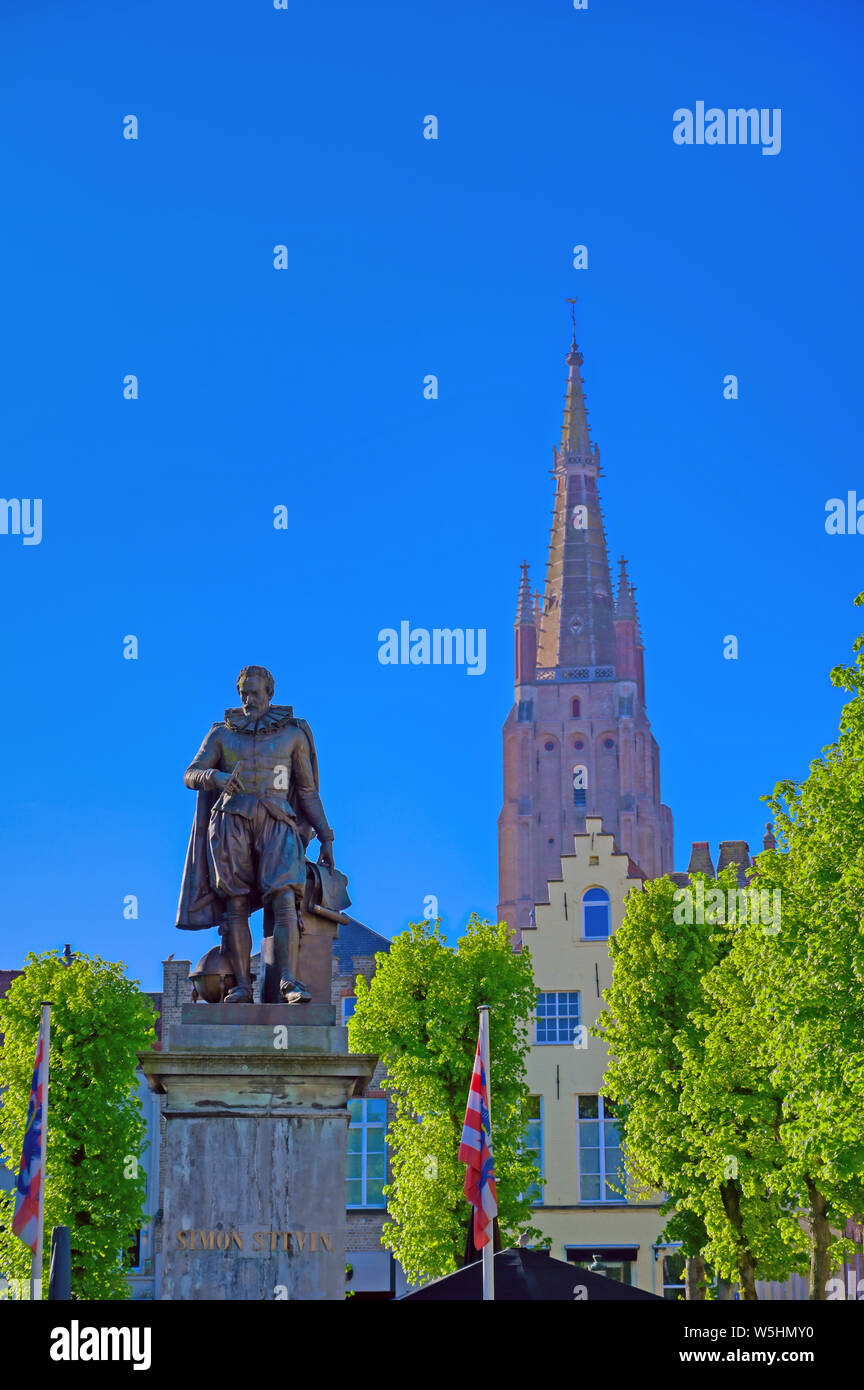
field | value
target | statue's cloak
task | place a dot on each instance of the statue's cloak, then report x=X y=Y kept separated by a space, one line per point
x=200 y=907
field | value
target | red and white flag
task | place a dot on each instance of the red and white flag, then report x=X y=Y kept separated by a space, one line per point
x=29 y=1195
x=476 y=1149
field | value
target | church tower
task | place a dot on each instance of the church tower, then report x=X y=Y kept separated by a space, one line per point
x=577 y=741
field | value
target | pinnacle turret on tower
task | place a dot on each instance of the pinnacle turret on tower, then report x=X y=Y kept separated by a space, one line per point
x=524 y=606
x=625 y=604
x=526 y=632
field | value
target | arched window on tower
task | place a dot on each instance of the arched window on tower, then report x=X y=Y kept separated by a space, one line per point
x=575 y=709
x=596 y=922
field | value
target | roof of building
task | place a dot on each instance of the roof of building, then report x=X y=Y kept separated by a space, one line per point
x=731 y=852
x=6 y=978
x=356 y=940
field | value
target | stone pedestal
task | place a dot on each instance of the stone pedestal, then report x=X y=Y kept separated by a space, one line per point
x=256 y=1117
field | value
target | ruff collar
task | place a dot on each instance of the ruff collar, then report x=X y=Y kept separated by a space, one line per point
x=276 y=717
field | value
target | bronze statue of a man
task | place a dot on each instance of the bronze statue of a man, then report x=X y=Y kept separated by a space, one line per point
x=256 y=775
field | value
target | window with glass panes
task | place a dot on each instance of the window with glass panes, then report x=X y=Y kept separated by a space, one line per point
x=615 y=1264
x=674 y=1261
x=367 y=1155
x=557 y=1016
x=349 y=1004
x=596 y=920
x=534 y=1141
x=601 y=1174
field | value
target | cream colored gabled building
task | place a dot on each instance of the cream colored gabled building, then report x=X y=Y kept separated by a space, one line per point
x=585 y=1207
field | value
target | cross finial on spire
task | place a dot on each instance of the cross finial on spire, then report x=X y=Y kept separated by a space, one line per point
x=575 y=436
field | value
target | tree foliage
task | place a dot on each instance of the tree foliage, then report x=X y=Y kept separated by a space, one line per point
x=738 y=1049
x=419 y=1014
x=94 y=1182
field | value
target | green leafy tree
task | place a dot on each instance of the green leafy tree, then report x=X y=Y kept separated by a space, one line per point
x=420 y=1016
x=94 y=1182
x=794 y=1160
x=687 y=1131
x=807 y=988
x=738 y=1046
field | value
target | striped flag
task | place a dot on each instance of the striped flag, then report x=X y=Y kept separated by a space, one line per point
x=476 y=1150
x=28 y=1198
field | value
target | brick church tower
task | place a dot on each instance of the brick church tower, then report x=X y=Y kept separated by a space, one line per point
x=577 y=741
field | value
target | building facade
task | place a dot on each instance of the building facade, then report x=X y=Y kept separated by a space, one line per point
x=587 y=1206
x=577 y=741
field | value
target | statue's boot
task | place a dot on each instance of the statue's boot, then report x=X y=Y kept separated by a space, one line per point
x=293 y=991
x=238 y=943
x=240 y=994
x=286 y=939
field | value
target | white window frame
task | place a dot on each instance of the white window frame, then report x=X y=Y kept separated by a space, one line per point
x=347 y=999
x=602 y=1120
x=364 y=1125
x=660 y=1251
x=597 y=888
x=557 y=1042
x=538 y=1200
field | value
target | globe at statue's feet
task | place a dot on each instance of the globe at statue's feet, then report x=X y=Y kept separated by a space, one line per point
x=238 y=995
x=293 y=991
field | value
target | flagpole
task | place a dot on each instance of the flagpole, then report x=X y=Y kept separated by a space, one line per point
x=36 y=1258
x=488 y=1251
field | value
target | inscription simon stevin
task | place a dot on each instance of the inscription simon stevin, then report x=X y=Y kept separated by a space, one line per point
x=290 y=1242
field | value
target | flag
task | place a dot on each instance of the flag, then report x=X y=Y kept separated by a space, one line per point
x=476 y=1151
x=28 y=1198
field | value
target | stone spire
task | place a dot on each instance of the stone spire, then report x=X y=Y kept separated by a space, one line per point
x=575 y=436
x=576 y=629
x=578 y=699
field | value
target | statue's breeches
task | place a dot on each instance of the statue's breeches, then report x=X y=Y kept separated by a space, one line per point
x=260 y=853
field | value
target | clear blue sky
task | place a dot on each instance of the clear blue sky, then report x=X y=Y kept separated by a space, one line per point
x=304 y=387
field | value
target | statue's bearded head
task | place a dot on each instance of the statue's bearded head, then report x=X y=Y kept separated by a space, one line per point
x=255 y=686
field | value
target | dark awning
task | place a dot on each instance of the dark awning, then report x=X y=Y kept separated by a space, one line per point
x=532 y=1276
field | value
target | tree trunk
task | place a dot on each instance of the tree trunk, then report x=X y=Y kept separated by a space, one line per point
x=820 y=1269
x=694 y=1278
x=725 y=1291
x=746 y=1264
